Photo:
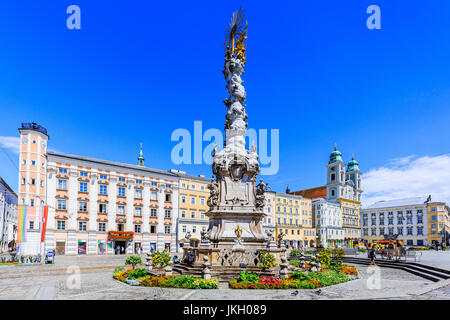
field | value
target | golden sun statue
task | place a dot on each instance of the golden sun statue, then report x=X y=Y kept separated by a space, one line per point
x=236 y=36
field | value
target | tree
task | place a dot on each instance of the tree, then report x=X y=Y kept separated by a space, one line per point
x=133 y=260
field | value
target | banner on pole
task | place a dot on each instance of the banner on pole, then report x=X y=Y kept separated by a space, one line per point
x=22 y=223
x=44 y=223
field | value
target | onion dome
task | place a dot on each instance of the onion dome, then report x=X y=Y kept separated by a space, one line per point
x=141 y=157
x=335 y=156
x=353 y=165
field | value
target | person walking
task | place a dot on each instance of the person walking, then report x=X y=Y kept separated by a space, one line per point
x=371 y=255
x=390 y=251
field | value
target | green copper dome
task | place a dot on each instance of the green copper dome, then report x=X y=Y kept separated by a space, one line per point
x=353 y=165
x=335 y=156
x=141 y=157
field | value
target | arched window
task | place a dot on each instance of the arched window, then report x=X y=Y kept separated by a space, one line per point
x=333 y=176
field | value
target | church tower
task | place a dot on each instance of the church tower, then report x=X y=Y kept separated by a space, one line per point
x=141 y=157
x=335 y=175
x=32 y=182
x=354 y=174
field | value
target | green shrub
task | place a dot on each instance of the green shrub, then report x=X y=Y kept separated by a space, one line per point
x=308 y=284
x=119 y=269
x=137 y=273
x=161 y=258
x=337 y=254
x=184 y=281
x=187 y=282
x=298 y=275
x=246 y=277
x=134 y=260
x=324 y=257
x=266 y=260
x=294 y=262
x=295 y=252
x=328 y=277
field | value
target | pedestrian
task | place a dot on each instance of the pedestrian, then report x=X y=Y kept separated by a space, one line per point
x=390 y=252
x=442 y=246
x=371 y=255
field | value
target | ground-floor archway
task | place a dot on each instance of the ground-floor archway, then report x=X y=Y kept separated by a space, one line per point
x=119 y=247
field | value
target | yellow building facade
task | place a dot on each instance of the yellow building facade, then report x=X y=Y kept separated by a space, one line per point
x=293 y=216
x=193 y=206
x=438 y=222
x=350 y=212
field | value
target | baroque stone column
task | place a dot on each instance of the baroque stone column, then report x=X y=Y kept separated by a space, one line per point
x=234 y=199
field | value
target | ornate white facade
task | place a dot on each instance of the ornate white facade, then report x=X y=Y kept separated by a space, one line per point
x=328 y=222
x=8 y=217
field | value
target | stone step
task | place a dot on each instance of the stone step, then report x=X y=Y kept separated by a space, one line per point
x=416 y=269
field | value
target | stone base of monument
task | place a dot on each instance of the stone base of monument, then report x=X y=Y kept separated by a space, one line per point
x=227 y=263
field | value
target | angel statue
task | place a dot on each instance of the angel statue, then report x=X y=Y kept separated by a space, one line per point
x=236 y=37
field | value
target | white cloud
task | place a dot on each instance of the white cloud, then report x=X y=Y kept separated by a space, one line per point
x=408 y=177
x=10 y=143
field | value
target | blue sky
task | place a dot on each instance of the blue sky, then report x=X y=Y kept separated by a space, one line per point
x=136 y=72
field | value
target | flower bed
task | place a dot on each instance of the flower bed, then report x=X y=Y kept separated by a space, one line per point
x=8 y=262
x=350 y=270
x=297 y=280
x=186 y=282
x=422 y=248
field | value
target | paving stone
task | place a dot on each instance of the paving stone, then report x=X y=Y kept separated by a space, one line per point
x=96 y=283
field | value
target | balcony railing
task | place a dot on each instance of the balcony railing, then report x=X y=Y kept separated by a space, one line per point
x=34 y=126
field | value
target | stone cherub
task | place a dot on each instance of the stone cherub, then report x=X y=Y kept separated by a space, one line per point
x=280 y=239
x=213 y=186
x=205 y=235
x=261 y=188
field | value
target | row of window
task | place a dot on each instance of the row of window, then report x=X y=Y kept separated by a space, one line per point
x=306 y=233
x=105 y=177
x=103 y=190
x=296 y=202
x=32 y=182
x=390 y=231
x=183 y=185
x=193 y=200
x=291 y=221
x=82 y=226
x=391 y=213
x=305 y=212
x=194 y=229
x=409 y=220
x=193 y=214
x=331 y=232
x=102 y=208
x=33 y=163
x=350 y=222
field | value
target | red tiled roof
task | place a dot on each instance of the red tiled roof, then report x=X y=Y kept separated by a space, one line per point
x=313 y=193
